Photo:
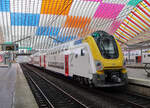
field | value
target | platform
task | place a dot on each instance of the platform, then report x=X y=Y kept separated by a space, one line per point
x=3 y=66
x=135 y=65
x=14 y=90
x=138 y=76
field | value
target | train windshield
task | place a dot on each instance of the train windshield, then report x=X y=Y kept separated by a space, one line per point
x=107 y=45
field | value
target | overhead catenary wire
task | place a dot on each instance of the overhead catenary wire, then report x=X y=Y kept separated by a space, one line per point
x=61 y=11
x=52 y=28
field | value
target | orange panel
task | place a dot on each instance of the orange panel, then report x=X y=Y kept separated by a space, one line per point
x=56 y=7
x=81 y=22
x=73 y=22
x=85 y=32
x=68 y=21
x=77 y=22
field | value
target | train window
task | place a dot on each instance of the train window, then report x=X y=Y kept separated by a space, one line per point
x=95 y=34
x=108 y=47
x=82 y=52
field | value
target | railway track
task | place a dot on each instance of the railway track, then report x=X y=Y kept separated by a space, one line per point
x=125 y=99
x=47 y=94
x=137 y=100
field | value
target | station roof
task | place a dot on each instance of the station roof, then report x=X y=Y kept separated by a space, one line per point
x=41 y=24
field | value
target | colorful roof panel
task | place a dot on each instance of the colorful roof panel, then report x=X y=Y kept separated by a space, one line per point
x=51 y=22
x=137 y=21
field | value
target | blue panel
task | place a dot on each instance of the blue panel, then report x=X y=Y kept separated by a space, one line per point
x=64 y=38
x=47 y=31
x=5 y=5
x=78 y=42
x=24 y=19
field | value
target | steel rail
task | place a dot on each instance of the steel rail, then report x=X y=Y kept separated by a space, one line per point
x=50 y=104
x=58 y=88
x=125 y=97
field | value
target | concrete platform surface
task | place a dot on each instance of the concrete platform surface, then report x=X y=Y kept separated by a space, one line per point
x=3 y=66
x=7 y=86
x=14 y=90
x=23 y=95
x=135 y=65
x=138 y=76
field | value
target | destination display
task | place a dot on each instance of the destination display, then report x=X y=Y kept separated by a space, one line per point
x=9 y=47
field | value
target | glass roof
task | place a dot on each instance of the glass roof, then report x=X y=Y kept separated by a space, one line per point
x=42 y=24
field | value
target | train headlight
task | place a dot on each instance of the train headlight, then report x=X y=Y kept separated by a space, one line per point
x=99 y=65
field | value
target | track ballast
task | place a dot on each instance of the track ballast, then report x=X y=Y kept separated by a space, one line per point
x=124 y=99
x=47 y=94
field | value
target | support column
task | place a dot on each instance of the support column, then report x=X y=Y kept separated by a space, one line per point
x=141 y=56
x=129 y=55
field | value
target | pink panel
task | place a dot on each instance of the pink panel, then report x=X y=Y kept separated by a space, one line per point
x=94 y=0
x=107 y=10
x=1 y=58
x=114 y=26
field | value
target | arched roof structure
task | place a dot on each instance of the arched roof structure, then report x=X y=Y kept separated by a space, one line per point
x=41 y=24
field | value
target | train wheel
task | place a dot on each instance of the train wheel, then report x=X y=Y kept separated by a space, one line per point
x=86 y=81
x=81 y=80
x=91 y=85
x=74 y=78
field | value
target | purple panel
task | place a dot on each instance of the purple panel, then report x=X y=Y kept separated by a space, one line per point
x=107 y=10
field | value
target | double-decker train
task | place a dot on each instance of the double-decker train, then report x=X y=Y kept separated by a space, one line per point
x=96 y=60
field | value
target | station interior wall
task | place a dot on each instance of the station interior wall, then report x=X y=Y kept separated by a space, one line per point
x=137 y=56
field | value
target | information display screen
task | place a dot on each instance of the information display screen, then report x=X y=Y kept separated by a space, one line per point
x=9 y=47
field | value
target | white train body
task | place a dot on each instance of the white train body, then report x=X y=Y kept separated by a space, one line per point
x=36 y=60
x=96 y=60
x=71 y=63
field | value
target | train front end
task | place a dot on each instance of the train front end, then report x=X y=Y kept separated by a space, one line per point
x=109 y=60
